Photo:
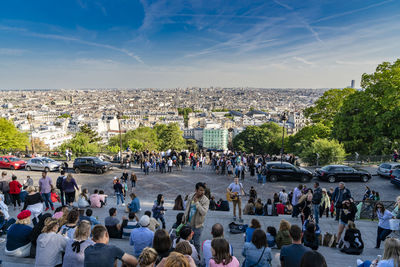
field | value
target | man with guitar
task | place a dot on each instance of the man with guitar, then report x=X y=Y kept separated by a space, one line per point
x=234 y=193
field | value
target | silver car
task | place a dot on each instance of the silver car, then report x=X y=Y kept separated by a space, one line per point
x=42 y=164
x=386 y=169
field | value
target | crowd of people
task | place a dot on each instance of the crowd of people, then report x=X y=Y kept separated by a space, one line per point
x=69 y=235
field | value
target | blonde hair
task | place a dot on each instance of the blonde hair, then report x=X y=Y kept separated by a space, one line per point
x=397 y=199
x=49 y=224
x=176 y=259
x=24 y=221
x=31 y=189
x=184 y=248
x=82 y=232
x=392 y=251
x=284 y=225
x=64 y=218
x=147 y=257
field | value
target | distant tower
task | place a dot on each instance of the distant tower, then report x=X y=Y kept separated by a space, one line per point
x=353 y=83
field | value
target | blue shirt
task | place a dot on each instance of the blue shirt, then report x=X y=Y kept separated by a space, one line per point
x=249 y=234
x=253 y=254
x=135 y=205
x=291 y=255
x=140 y=238
x=18 y=236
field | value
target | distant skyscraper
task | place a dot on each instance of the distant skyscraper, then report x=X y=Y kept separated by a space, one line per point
x=353 y=83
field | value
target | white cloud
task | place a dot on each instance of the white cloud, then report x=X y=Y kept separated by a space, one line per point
x=12 y=51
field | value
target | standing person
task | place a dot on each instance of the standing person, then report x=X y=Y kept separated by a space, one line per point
x=295 y=199
x=316 y=201
x=15 y=190
x=118 y=192
x=45 y=186
x=69 y=186
x=257 y=253
x=133 y=179
x=283 y=196
x=101 y=254
x=59 y=185
x=125 y=176
x=169 y=163
x=75 y=248
x=339 y=195
x=5 y=187
x=236 y=191
x=158 y=209
x=291 y=255
x=196 y=211
x=325 y=204
x=383 y=226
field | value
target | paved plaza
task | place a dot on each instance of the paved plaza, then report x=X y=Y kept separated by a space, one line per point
x=183 y=182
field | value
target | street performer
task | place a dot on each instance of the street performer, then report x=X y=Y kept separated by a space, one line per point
x=234 y=193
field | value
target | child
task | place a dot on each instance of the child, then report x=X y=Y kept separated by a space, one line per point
x=271 y=234
x=54 y=196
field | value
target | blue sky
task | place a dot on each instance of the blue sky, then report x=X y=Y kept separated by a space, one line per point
x=176 y=43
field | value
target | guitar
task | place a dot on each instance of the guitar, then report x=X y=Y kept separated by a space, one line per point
x=232 y=196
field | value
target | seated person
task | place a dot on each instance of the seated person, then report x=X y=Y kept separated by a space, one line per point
x=18 y=236
x=91 y=218
x=129 y=224
x=271 y=235
x=112 y=224
x=269 y=209
x=259 y=207
x=134 y=206
x=280 y=208
x=213 y=204
x=288 y=208
x=310 y=238
x=95 y=200
x=249 y=209
x=353 y=243
x=154 y=224
x=5 y=223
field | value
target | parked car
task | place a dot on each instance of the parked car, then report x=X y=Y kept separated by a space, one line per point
x=91 y=164
x=335 y=173
x=386 y=169
x=395 y=177
x=43 y=164
x=12 y=163
x=284 y=171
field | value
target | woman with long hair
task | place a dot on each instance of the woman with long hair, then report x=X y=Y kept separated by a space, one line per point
x=178 y=203
x=221 y=254
x=353 y=243
x=158 y=209
x=33 y=203
x=310 y=238
x=257 y=253
x=69 y=186
x=36 y=231
x=50 y=245
x=283 y=237
x=162 y=244
x=391 y=255
x=148 y=257
x=83 y=200
x=75 y=249
x=384 y=217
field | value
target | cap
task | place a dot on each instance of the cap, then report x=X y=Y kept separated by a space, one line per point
x=144 y=221
x=24 y=214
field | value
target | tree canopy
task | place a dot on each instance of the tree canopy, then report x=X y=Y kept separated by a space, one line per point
x=10 y=137
x=302 y=139
x=326 y=107
x=259 y=139
x=369 y=120
x=329 y=151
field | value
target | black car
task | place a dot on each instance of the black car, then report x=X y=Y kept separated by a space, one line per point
x=91 y=164
x=335 y=173
x=284 y=171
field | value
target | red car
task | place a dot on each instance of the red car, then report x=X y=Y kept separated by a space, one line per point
x=12 y=163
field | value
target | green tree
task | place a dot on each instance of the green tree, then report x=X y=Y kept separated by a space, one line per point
x=369 y=120
x=185 y=113
x=259 y=139
x=330 y=151
x=10 y=137
x=80 y=145
x=64 y=115
x=145 y=138
x=298 y=142
x=93 y=135
x=326 y=107
x=191 y=145
x=170 y=136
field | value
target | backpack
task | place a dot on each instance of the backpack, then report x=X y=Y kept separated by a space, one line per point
x=317 y=196
x=59 y=182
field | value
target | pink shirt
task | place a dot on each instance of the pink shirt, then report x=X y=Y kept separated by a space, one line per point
x=233 y=263
x=95 y=201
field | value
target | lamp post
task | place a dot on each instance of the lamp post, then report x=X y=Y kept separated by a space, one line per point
x=284 y=119
x=119 y=117
x=30 y=119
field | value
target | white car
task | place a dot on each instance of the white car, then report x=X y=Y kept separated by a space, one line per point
x=42 y=164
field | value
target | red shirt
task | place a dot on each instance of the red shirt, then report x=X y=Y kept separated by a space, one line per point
x=280 y=208
x=15 y=187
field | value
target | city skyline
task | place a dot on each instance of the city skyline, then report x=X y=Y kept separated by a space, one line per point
x=142 y=44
